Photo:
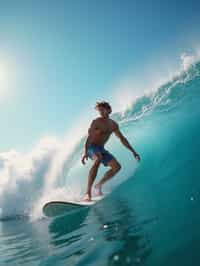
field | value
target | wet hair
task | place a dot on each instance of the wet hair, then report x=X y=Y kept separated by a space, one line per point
x=103 y=104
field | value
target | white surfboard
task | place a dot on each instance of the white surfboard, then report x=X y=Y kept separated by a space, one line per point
x=57 y=208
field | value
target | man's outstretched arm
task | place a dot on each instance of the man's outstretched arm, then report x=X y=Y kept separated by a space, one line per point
x=125 y=142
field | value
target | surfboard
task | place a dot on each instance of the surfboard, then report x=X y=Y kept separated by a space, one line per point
x=57 y=208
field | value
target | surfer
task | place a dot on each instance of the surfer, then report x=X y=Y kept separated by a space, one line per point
x=98 y=134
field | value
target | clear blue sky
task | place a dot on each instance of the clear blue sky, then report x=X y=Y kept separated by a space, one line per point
x=59 y=57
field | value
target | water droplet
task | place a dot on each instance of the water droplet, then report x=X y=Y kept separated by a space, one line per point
x=116 y=257
x=128 y=260
x=138 y=260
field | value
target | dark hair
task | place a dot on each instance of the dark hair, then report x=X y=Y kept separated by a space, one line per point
x=103 y=104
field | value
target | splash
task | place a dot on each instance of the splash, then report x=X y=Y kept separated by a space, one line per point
x=23 y=175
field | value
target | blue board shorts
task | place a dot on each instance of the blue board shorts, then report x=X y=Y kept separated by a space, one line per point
x=107 y=156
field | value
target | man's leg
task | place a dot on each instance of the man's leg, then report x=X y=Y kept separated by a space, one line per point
x=92 y=174
x=115 y=167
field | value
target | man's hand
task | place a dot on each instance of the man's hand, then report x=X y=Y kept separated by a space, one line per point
x=85 y=156
x=137 y=156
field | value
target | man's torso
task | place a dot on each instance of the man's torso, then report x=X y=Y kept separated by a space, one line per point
x=101 y=130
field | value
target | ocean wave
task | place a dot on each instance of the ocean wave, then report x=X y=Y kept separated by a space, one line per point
x=53 y=169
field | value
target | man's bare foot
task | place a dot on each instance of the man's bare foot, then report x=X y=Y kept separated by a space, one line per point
x=86 y=197
x=98 y=188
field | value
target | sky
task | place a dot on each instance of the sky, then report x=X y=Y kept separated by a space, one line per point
x=57 y=58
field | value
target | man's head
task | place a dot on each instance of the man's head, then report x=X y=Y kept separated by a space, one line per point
x=104 y=108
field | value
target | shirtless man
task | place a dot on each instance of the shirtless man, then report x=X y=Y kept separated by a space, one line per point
x=98 y=134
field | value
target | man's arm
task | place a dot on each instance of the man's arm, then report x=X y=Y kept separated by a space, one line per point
x=87 y=142
x=85 y=156
x=124 y=141
x=90 y=130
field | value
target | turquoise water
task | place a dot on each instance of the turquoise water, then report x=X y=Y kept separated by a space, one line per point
x=151 y=218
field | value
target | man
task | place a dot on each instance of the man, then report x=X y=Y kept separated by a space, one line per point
x=98 y=134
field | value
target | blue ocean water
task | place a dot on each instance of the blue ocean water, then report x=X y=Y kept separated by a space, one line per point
x=152 y=213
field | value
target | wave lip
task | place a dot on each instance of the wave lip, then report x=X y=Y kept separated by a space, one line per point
x=164 y=98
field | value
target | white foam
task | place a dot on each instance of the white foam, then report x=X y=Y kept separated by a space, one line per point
x=22 y=176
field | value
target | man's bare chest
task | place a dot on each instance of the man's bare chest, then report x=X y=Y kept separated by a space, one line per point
x=104 y=128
